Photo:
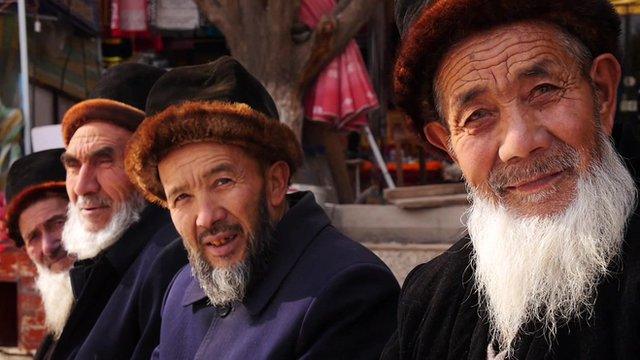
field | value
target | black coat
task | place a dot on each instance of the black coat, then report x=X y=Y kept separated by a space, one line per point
x=119 y=293
x=324 y=296
x=439 y=316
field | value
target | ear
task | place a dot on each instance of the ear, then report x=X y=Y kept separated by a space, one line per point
x=277 y=183
x=605 y=74
x=438 y=136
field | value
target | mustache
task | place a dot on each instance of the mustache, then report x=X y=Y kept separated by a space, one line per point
x=219 y=227
x=558 y=158
x=85 y=201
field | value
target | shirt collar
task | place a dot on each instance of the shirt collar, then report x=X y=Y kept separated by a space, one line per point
x=299 y=226
x=121 y=254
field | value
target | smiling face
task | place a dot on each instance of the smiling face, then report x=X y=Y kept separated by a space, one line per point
x=41 y=226
x=214 y=193
x=96 y=180
x=522 y=118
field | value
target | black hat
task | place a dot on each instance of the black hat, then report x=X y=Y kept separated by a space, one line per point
x=119 y=98
x=430 y=27
x=219 y=102
x=29 y=178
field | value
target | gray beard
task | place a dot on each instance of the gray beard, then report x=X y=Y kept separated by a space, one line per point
x=57 y=298
x=87 y=244
x=546 y=269
x=226 y=286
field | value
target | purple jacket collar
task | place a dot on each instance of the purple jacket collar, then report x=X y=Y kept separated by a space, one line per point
x=293 y=233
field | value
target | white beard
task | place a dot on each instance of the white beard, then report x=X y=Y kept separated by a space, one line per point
x=87 y=244
x=57 y=298
x=546 y=269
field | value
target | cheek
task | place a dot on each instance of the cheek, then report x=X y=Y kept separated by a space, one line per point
x=476 y=157
x=185 y=225
x=115 y=184
x=574 y=125
x=33 y=251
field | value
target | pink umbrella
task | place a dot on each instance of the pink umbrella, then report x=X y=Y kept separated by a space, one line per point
x=342 y=94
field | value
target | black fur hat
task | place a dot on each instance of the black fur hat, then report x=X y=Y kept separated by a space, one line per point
x=119 y=98
x=219 y=102
x=430 y=27
x=28 y=180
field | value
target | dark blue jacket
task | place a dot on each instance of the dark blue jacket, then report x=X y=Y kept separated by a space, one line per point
x=119 y=293
x=324 y=296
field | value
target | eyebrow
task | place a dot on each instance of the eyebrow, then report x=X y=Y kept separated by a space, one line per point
x=104 y=151
x=47 y=223
x=468 y=96
x=540 y=69
x=224 y=167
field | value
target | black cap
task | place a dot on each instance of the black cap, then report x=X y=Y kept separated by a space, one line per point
x=224 y=80
x=127 y=83
x=118 y=98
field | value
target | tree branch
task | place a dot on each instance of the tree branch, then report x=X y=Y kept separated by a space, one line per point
x=216 y=14
x=333 y=33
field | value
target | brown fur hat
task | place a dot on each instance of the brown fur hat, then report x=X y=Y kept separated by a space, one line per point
x=216 y=102
x=430 y=27
x=119 y=98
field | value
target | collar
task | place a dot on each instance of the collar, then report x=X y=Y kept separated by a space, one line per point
x=121 y=254
x=299 y=226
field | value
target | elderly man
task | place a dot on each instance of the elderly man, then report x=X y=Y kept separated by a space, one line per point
x=522 y=94
x=36 y=212
x=269 y=277
x=126 y=249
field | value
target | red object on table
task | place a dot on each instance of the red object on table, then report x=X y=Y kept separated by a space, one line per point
x=342 y=94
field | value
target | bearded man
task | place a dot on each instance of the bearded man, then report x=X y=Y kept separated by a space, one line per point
x=269 y=277
x=128 y=250
x=36 y=212
x=522 y=94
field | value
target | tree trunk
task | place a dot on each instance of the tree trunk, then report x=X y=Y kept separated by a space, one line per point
x=260 y=34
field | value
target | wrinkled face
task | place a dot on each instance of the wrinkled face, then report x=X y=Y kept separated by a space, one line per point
x=96 y=180
x=213 y=192
x=521 y=115
x=41 y=226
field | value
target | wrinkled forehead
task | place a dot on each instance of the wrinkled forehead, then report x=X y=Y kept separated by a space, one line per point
x=502 y=56
x=97 y=135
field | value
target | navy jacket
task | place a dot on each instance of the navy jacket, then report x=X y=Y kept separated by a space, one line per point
x=324 y=296
x=119 y=293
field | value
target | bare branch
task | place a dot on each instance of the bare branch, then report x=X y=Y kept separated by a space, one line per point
x=333 y=33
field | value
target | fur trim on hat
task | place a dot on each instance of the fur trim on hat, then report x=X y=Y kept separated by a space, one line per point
x=193 y=122
x=446 y=22
x=24 y=199
x=111 y=111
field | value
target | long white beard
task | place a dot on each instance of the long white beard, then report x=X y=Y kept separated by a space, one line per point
x=547 y=269
x=57 y=298
x=87 y=244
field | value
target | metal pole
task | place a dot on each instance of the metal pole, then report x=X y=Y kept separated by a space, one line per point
x=379 y=159
x=24 y=75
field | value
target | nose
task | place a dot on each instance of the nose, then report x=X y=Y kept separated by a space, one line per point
x=50 y=243
x=86 y=181
x=523 y=136
x=209 y=214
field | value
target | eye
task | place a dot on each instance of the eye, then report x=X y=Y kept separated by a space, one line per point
x=72 y=164
x=223 y=182
x=180 y=198
x=543 y=89
x=104 y=160
x=477 y=115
